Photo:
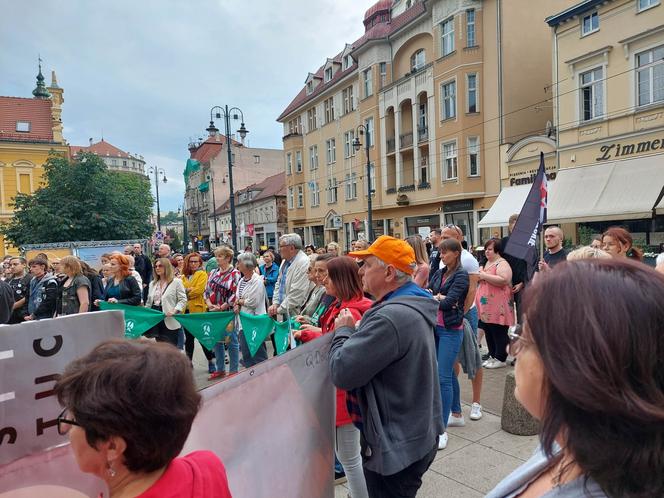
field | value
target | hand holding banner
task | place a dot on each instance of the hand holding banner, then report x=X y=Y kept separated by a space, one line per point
x=255 y=329
x=138 y=320
x=209 y=328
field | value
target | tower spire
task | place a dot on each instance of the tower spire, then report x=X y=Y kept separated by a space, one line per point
x=40 y=91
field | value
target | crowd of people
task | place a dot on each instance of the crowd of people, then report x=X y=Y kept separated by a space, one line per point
x=582 y=327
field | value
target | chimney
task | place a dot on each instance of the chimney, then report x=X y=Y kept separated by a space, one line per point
x=90 y=140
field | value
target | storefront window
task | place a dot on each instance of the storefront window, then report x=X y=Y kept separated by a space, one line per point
x=414 y=223
x=317 y=235
x=463 y=221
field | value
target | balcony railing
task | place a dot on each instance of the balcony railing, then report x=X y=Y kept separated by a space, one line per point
x=391 y=190
x=391 y=145
x=407 y=188
x=422 y=134
x=405 y=140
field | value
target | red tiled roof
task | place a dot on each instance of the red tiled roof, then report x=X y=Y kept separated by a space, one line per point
x=379 y=6
x=272 y=186
x=209 y=149
x=35 y=111
x=378 y=31
x=101 y=148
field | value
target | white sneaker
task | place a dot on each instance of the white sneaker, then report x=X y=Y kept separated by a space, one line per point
x=488 y=361
x=496 y=364
x=453 y=421
x=475 y=411
x=442 y=441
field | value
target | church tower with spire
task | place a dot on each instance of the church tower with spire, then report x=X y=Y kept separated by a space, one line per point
x=40 y=91
x=56 y=107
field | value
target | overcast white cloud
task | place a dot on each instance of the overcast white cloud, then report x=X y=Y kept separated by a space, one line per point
x=147 y=72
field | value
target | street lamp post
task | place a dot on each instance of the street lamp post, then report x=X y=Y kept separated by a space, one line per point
x=185 y=236
x=225 y=112
x=214 y=210
x=356 y=145
x=157 y=173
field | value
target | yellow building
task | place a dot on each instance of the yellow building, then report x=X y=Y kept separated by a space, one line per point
x=440 y=85
x=605 y=148
x=30 y=129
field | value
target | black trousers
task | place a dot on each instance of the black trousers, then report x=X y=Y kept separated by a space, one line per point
x=164 y=334
x=496 y=339
x=189 y=346
x=403 y=484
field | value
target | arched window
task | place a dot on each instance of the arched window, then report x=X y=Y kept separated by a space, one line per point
x=417 y=60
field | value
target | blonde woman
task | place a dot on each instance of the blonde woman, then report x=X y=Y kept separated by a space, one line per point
x=75 y=290
x=166 y=293
x=194 y=280
x=586 y=252
x=421 y=275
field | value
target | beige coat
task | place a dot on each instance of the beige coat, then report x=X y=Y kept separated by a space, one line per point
x=174 y=298
x=296 y=286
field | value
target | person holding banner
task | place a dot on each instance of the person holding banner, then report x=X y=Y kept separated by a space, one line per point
x=129 y=430
x=250 y=298
x=121 y=286
x=194 y=281
x=166 y=294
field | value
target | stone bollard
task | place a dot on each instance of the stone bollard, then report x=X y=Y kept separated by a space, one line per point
x=515 y=419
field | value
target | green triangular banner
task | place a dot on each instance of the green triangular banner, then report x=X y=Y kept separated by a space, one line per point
x=256 y=329
x=138 y=320
x=208 y=328
x=281 y=336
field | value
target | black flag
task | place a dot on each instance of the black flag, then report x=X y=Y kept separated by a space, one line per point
x=522 y=243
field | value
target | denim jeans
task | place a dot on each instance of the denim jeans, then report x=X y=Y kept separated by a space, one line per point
x=473 y=318
x=233 y=354
x=348 y=451
x=247 y=359
x=180 y=338
x=448 y=343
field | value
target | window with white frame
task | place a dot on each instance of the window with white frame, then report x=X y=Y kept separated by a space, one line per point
x=291 y=198
x=328 y=105
x=289 y=163
x=448 y=91
x=347 y=97
x=23 y=126
x=424 y=169
x=353 y=186
x=311 y=117
x=450 y=166
x=471 y=92
x=470 y=28
x=348 y=61
x=300 y=196
x=328 y=74
x=367 y=79
x=298 y=161
x=369 y=126
x=592 y=94
x=417 y=60
x=349 y=136
x=650 y=76
x=382 y=71
x=447 y=36
x=646 y=4
x=473 y=156
x=310 y=87
x=313 y=157
x=347 y=184
x=590 y=24
x=331 y=151
x=331 y=190
x=315 y=194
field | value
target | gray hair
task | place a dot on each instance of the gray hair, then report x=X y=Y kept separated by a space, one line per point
x=291 y=239
x=248 y=260
x=401 y=277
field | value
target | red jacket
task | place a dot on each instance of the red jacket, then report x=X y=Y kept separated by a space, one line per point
x=198 y=475
x=357 y=308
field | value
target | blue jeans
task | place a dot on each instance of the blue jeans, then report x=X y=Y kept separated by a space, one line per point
x=233 y=354
x=248 y=360
x=180 y=339
x=448 y=343
x=473 y=318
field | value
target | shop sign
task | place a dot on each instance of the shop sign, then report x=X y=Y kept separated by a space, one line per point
x=530 y=179
x=620 y=150
x=456 y=206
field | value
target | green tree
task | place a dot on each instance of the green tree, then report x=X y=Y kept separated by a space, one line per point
x=174 y=239
x=170 y=217
x=81 y=200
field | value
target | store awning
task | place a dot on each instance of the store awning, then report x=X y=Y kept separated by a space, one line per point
x=620 y=190
x=660 y=207
x=509 y=202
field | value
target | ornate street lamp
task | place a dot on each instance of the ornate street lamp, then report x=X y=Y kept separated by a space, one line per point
x=159 y=173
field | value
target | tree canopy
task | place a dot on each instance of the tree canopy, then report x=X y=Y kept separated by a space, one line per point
x=82 y=200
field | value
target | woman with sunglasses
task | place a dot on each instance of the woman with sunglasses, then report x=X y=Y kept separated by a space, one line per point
x=194 y=280
x=591 y=370
x=166 y=294
x=129 y=429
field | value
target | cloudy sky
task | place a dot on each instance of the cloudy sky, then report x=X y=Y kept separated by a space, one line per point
x=147 y=72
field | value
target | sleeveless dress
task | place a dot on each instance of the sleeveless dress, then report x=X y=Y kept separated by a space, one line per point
x=495 y=303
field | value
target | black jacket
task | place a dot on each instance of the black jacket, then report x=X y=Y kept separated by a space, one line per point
x=434 y=263
x=6 y=302
x=47 y=296
x=21 y=288
x=143 y=266
x=130 y=292
x=455 y=290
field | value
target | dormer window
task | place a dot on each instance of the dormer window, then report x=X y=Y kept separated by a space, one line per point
x=310 y=87
x=348 y=61
x=328 y=74
x=23 y=126
x=417 y=60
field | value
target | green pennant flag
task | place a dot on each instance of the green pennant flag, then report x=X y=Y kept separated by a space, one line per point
x=209 y=328
x=256 y=329
x=281 y=336
x=138 y=320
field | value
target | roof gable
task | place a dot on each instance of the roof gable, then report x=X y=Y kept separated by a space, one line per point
x=37 y=112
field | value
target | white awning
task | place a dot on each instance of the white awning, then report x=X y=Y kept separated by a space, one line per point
x=509 y=201
x=660 y=207
x=619 y=190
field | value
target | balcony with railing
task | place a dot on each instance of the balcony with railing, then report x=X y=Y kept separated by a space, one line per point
x=406 y=140
x=390 y=145
x=422 y=134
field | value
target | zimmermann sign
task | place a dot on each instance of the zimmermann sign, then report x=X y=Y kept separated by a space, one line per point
x=620 y=150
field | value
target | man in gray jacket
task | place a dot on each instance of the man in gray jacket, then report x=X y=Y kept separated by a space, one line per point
x=388 y=366
x=292 y=287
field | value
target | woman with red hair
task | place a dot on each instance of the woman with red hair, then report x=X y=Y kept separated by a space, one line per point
x=121 y=286
x=618 y=243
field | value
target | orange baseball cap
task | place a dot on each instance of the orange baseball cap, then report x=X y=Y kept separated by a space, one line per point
x=395 y=252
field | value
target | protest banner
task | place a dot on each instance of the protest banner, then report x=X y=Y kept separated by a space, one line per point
x=138 y=320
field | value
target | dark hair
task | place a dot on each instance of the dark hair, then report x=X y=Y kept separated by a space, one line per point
x=141 y=391
x=324 y=258
x=20 y=258
x=624 y=237
x=38 y=261
x=451 y=245
x=187 y=271
x=603 y=361
x=497 y=245
x=310 y=246
x=439 y=231
x=344 y=273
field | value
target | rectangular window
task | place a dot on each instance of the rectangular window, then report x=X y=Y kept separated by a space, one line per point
x=450 y=170
x=311 y=117
x=470 y=28
x=353 y=186
x=331 y=145
x=300 y=196
x=329 y=110
x=382 y=70
x=424 y=169
x=650 y=76
x=331 y=190
x=471 y=96
x=298 y=161
x=291 y=201
x=328 y=74
x=447 y=36
x=369 y=126
x=347 y=184
x=473 y=156
x=449 y=99
x=289 y=164
x=646 y=4
x=592 y=94
x=24 y=183
x=315 y=194
x=590 y=24
x=313 y=157
x=257 y=159
x=347 y=96
x=418 y=60
x=367 y=79
x=23 y=126
x=349 y=137
x=348 y=62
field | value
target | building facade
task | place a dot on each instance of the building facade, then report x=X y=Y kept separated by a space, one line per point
x=115 y=159
x=439 y=85
x=30 y=130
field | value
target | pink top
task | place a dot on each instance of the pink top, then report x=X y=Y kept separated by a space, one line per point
x=421 y=275
x=494 y=303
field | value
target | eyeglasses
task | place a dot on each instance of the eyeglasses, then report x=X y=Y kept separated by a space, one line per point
x=517 y=341
x=64 y=424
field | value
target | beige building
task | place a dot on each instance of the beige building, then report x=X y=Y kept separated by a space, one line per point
x=116 y=159
x=439 y=85
x=605 y=147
